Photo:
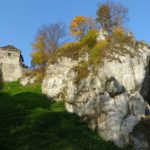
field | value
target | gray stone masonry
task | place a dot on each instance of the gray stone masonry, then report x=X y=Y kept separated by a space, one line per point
x=11 y=63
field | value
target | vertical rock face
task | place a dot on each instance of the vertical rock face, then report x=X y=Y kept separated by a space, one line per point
x=102 y=35
x=25 y=80
x=109 y=100
x=11 y=63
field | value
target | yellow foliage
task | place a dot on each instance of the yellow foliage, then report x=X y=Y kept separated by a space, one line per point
x=90 y=38
x=97 y=53
x=119 y=35
x=119 y=31
x=39 y=75
x=81 y=25
x=39 y=55
x=40 y=43
x=71 y=45
x=71 y=49
x=77 y=26
x=82 y=70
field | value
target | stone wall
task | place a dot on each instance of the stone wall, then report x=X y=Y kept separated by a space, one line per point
x=10 y=65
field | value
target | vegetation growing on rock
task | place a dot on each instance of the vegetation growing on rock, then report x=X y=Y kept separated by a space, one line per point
x=111 y=17
x=46 y=41
x=95 y=50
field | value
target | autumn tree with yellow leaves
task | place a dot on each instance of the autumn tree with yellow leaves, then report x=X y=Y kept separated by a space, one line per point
x=46 y=41
x=80 y=25
x=39 y=55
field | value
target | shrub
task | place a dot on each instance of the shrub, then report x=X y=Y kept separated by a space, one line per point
x=90 y=38
x=82 y=70
x=71 y=50
x=119 y=35
x=39 y=73
x=97 y=52
x=75 y=49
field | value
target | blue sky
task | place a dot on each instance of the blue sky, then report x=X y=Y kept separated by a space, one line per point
x=20 y=19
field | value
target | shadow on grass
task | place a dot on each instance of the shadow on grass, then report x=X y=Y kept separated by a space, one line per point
x=29 y=121
x=1 y=80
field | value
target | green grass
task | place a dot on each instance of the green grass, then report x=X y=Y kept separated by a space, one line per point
x=30 y=121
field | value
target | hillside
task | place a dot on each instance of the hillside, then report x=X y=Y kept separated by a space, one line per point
x=29 y=121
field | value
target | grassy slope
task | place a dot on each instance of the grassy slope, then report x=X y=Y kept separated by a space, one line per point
x=29 y=121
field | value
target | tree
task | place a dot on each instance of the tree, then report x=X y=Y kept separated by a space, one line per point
x=47 y=40
x=53 y=34
x=80 y=25
x=39 y=58
x=91 y=24
x=39 y=55
x=119 y=14
x=111 y=14
x=103 y=16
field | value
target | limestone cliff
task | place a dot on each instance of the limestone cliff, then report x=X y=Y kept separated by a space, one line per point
x=110 y=98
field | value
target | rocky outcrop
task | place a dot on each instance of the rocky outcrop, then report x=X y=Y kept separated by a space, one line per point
x=102 y=35
x=110 y=98
x=26 y=80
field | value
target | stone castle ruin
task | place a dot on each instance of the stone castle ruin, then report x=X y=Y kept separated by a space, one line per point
x=11 y=63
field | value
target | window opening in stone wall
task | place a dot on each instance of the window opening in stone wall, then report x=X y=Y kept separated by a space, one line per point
x=9 y=54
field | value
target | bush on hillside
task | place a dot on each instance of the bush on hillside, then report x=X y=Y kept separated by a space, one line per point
x=97 y=53
x=71 y=49
x=90 y=38
x=82 y=70
x=119 y=35
x=39 y=74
